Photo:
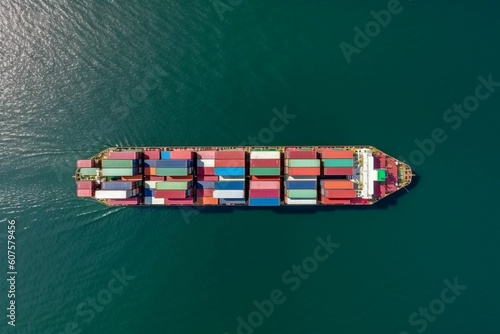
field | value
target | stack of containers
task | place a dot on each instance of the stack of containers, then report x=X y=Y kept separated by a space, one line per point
x=337 y=191
x=206 y=178
x=265 y=171
x=150 y=177
x=229 y=166
x=124 y=163
x=302 y=170
x=337 y=162
x=85 y=188
x=176 y=169
x=120 y=192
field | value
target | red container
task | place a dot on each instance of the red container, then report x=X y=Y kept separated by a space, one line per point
x=230 y=155
x=326 y=200
x=208 y=178
x=265 y=163
x=126 y=201
x=301 y=155
x=181 y=155
x=84 y=163
x=123 y=155
x=264 y=193
x=338 y=171
x=265 y=178
x=205 y=192
x=265 y=185
x=303 y=171
x=85 y=192
x=207 y=201
x=171 y=193
x=149 y=171
x=205 y=154
x=152 y=155
x=339 y=193
x=205 y=170
x=230 y=163
x=336 y=154
x=180 y=178
x=155 y=178
x=85 y=185
x=184 y=201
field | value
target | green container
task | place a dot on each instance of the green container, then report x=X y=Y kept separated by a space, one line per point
x=88 y=171
x=338 y=162
x=181 y=171
x=303 y=162
x=117 y=163
x=265 y=171
x=302 y=193
x=174 y=185
x=118 y=171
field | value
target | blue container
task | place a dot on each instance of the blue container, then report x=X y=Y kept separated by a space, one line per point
x=230 y=185
x=148 y=192
x=150 y=163
x=230 y=171
x=165 y=154
x=301 y=184
x=174 y=163
x=205 y=184
x=232 y=201
x=264 y=202
x=116 y=185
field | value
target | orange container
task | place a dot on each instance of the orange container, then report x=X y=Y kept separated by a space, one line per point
x=337 y=184
x=326 y=200
x=303 y=171
x=149 y=171
x=207 y=201
x=230 y=163
x=339 y=193
x=337 y=154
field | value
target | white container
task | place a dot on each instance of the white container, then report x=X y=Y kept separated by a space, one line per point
x=300 y=178
x=265 y=155
x=150 y=184
x=231 y=178
x=154 y=201
x=206 y=163
x=292 y=201
x=229 y=194
x=113 y=194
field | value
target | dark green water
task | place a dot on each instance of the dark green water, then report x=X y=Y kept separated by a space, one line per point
x=78 y=76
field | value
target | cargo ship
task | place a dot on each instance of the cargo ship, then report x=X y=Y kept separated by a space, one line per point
x=240 y=176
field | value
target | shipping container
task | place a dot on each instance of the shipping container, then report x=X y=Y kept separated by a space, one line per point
x=205 y=163
x=85 y=192
x=150 y=184
x=229 y=193
x=205 y=192
x=149 y=192
x=301 y=193
x=165 y=155
x=208 y=178
x=84 y=163
x=338 y=193
x=337 y=154
x=175 y=201
x=338 y=171
x=225 y=185
x=85 y=184
x=330 y=201
x=119 y=163
x=264 y=193
x=300 y=178
x=238 y=178
x=205 y=184
x=118 y=185
x=296 y=201
x=174 y=185
x=152 y=154
x=265 y=163
x=181 y=171
x=265 y=155
x=265 y=171
x=156 y=178
x=338 y=162
x=302 y=171
x=264 y=178
x=181 y=155
x=205 y=171
x=230 y=171
x=264 y=201
x=302 y=162
x=86 y=171
x=150 y=171
x=265 y=184
x=137 y=177
x=180 y=178
x=127 y=201
x=115 y=194
x=205 y=155
x=337 y=184
x=119 y=171
x=301 y=155
x=230 y=163
x=232 y=201
x=124 y=155
x=301 y=184
x=172 y=193
x=173 y=163
x=207 y=200
x=230 y=155
x=154 y=201
x=150 y=163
